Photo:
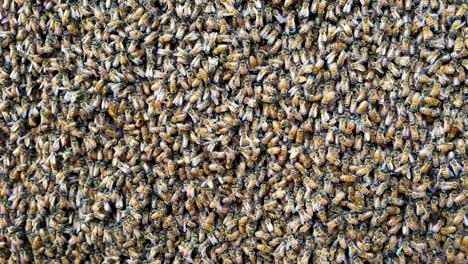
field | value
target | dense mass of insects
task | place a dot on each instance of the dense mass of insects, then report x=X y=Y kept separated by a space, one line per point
x=233 y=131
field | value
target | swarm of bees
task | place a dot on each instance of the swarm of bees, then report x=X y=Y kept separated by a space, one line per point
x=168 y=131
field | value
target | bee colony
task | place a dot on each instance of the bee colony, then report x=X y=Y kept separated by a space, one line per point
x=233 y=131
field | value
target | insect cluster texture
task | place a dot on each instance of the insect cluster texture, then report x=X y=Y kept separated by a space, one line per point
x=233 y=131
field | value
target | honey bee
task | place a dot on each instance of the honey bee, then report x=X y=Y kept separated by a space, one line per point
x=448 y=230
x=444 y=148
x=264 y=248
x=362 y=108
x=427 y=33
x=332 y=158
x=328 y=97
x=364 y=170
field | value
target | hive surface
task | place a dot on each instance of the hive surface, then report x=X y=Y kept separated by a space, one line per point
x=233 y=131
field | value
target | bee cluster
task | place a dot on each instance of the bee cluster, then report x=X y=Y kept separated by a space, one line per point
x=233 y=131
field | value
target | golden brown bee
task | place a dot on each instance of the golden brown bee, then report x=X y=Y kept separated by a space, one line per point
x=345 y=141
x=331 y=157
x=416 y=101
x=444 y=148
x=436 y=90
x=331 y=225
x=328 y=97
x=374 y=116
x=348 y=178
x=263 y=248
x=427 y=33
x=362 y=108
x=431 y=101
x=448 y=230
x=364 y=170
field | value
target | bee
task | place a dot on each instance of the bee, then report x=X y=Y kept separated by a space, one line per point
x=263 y=248
x=348 y=178
x=456 y=167
x=332 y=157
x=151 y=38
x=233 y=236
x=364 y=170
x=458 y=102
x=362 y=108
x=328 y=97
x=403 y=61
x=290 y=24
x=178 y=118
x=427 y=33
x=447 y=69
x=458 y=45
x=444 y=148
x=374 y=116
x=331 y=225
x=459 y=216
x=415 y=101
x=334 y=70
x=426 y=153
x=304 y=12
x=346 y=142
x=436 y=90
x=448 y=185
x=446 y=230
